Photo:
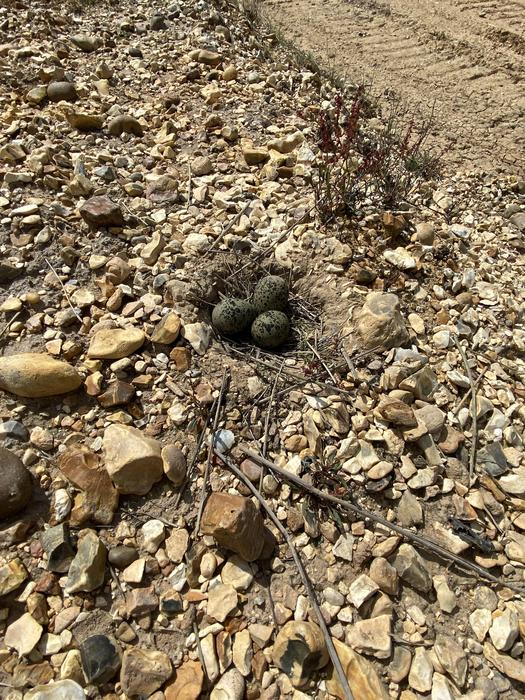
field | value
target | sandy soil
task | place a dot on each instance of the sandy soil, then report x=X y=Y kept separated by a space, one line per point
x=466 y=57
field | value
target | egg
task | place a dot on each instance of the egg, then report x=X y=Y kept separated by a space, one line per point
x=232 y=316
x=270 y=329
x=271 y=293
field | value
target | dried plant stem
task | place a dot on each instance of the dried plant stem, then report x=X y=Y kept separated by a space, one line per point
x=423 y=542
x=473 y=412
x=227 y=228
x=267 y=422
x=224 y=385
x=64 y=290
x=302 y=572
x=8 y=325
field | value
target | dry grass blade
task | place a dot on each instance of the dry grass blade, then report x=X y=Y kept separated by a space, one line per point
x=423 y=542
x=304 y=576
x=473 y=412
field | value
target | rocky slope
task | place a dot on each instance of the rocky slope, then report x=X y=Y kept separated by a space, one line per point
x=154 y=161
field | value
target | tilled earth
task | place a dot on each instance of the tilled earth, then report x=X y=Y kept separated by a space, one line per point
x=154 y=160
x=461 y=58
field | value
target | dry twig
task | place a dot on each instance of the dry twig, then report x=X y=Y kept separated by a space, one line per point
x=8 y=325
x=267 y=422
x=473 y=411
x=423 y=542
x=302 y=572
x=78 y=316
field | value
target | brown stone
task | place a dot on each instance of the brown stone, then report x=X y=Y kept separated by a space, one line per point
x=362 y=677
x=167 y=330
x=235 y=523
x=187 y=684
x=397 y=412
x=37 y=375
x=101 y=212
x=99 y=501
x=118 y=393
x=144 y=671
x=181 y=357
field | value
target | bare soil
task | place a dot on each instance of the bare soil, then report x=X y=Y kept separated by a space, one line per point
x=464 y=57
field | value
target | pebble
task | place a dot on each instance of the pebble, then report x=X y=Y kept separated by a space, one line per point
x=144 y=671
x=100 y=657
x=15 y=484
x=34 y=375
x=133 y=461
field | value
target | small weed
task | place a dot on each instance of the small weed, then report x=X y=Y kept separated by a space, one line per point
x=360 y=163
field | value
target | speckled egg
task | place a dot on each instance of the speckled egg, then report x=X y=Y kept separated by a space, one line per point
x=271 y=293
x=232 y=316
x=270 y=329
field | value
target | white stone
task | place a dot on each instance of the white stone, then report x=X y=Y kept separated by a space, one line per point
x=153 y=532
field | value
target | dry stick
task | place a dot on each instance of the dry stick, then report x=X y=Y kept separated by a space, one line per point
x=224 y=384
x=63 y=289
x=474 y=412
x=199 y=650
x=304 y=576
x=9 y=324
x=228 y=227
x=267 y=422
x=423 y=542
x=327 y=369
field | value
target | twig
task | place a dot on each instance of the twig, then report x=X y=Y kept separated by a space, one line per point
x=224 y=384
x=9 y=324
x=467 y=396
x=78 y=316
x=117 y=582
x=302 y=572
x=195 y=456
x=327 y=369
x=199 y=651
x=474 y=412
x=189 y=187
x=423 y=542
x=267 y=422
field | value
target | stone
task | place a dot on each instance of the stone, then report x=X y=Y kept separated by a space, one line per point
x=56 y=543
x=125 y=124
x=174 y=464
x=86 y=42
x=100 y=658
x=480 y=620
x=222 y=601
x=504 y=629
x=59 y=690
x=397 y=412
x=62 y=90
x=235 y=523
x=177 y=545
x=15 y=430
x=208 y=58
x=167 y=330
x=86 y=572
x=229 y=687
x=187 y=684
x=23 y=634
x=255 y=156
x=512 y=668
x=400 y=258
x=422 y=383
x=238 y=573
x=153 y=534
x=362 y=677
x=210 y=657
x=35 y=375
x=132 y=460
x=71 y=667
x=122 y=556
x=384 y=575
x=371 y=637
x=399 y=667
x=12 y=575
x=380 y=324
x=412 y=569
x=409 y=510
x=85 y=122
x=140 y=601
x=421 y=671
x=446 y=598
x=425 y=233
x=362 y=589
x=452 y=658
x=242 y=653
x=201 y=166
x=115 y=343
x=15 y=484
x=260 y=634
x=86 y=471
x=343 y=548
x=299 y=650
x=198 y=336
x=101 y=212
x=143 y=671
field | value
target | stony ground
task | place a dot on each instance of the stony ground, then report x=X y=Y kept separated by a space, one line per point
x=155 y=160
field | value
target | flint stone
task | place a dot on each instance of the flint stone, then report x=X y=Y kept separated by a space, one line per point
x=23 y=634
x=132 y=460
x=15 y=484
x=86 y=572
x=100 y=658
x=174 y=464
x=371 y=636
x=362 y=677
x=59 y=690
x=115 y=343
x=412 y=569
x=235 y=523
x=299 y=650
x=57 y=545
x=380 y=323
x=12 y=575
x=35 y=375
x=144 y=671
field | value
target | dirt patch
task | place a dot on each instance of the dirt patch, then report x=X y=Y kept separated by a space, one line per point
x=465 y=59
